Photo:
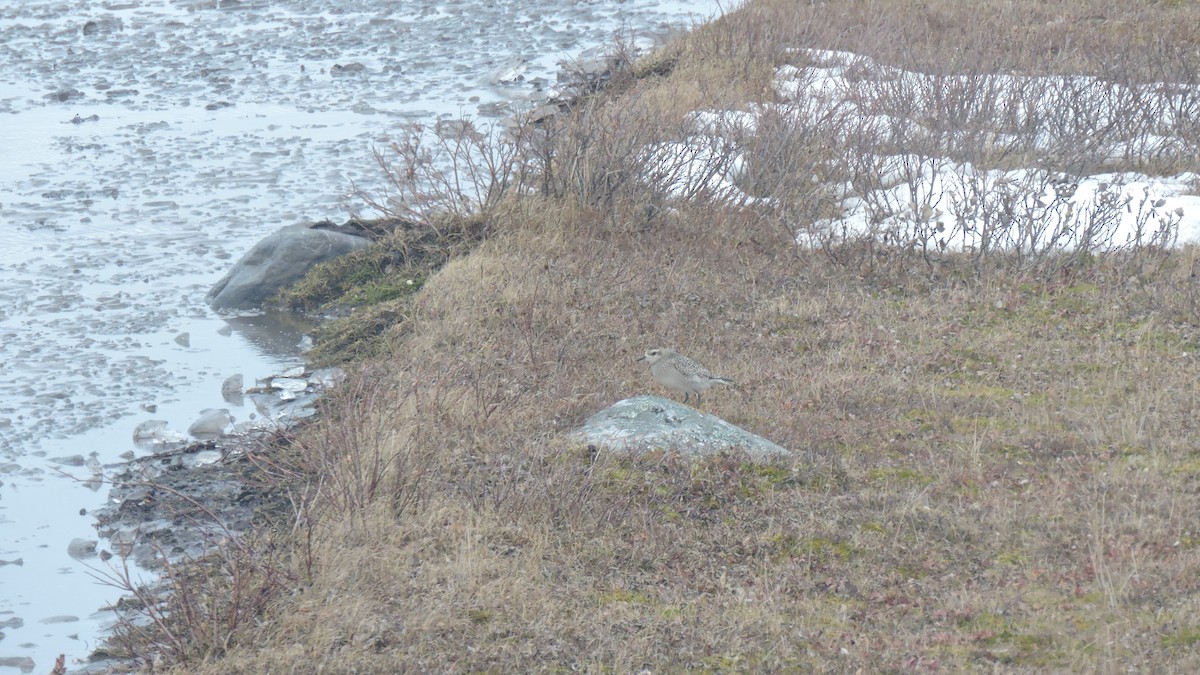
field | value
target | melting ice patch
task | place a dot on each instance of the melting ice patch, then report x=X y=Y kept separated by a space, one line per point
x=939 y=202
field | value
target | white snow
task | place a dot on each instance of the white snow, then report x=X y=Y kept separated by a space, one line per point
x=951 y=199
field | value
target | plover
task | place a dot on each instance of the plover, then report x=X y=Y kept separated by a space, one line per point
x=679 y=373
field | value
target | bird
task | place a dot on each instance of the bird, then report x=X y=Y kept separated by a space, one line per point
x=679 y=373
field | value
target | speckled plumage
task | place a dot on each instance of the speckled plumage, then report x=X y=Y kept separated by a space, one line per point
x=679 y=373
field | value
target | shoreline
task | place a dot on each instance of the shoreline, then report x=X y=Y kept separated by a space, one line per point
x=989 y=457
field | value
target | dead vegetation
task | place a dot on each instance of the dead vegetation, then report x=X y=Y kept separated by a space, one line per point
x=994 y=465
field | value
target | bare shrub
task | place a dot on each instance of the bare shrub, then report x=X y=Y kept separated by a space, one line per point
x=597 y=157
x=199 y=606
x=454 y=168
x=928 y=165
x=356 y=456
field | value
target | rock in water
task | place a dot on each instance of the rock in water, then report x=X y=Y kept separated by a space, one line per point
x=154 y=433
x=231 y=389
x=81 y=548
x=211 y=423
x=279 y=261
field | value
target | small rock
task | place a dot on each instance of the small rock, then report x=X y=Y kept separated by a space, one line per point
x=289 y=384
x=212 y=422
x=61 y=618
x=64 y=95
x=327 y=378
x=81 y=548
x=231 y=389
x=155 y=432
x=184 y=339
x=72 y=460
x=348 y=69
x=22 y=663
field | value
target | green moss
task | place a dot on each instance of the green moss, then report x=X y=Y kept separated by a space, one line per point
x=370 y=290
x=873 y=527
x=899 y=475
x=785 y=546
x=1011 y=558
x=376 y=292
x=1035 y=399
x=774 y=476
x=1189 y=543
x=1189 y=468
x=623 y=595
x=1188 y=636
x=363 y=334
x=980 y=391
x=926 y=421
x=1010 y=452
x=911 y=572
x=756 y=480
x=1011 y=642
x=396 y=264
x=480 y=616
x=673 y=612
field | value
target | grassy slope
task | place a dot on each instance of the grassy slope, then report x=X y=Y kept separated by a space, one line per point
x=999 y=473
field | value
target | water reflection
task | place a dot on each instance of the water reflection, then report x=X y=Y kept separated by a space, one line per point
x=275 y=334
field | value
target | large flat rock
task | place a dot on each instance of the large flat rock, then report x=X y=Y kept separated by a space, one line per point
x=646 y=423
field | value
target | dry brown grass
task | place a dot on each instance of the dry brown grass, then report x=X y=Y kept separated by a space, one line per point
x=994 y=473
x=992 y=476
x=1155 y=40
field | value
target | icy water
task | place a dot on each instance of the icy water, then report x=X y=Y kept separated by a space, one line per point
x=144 y=147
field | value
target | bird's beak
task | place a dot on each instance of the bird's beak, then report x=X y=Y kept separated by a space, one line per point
x=642 y=357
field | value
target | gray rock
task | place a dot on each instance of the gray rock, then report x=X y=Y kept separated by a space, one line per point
x=154 y=434
x=21 y=663
x=81 y=548
x=60 y=618
x=211 y=423
x=231 y=389
x=277 y=262
x=71 y=460
x=292 y=384
x=645 y=423
x=348 y=69
x=327 y=378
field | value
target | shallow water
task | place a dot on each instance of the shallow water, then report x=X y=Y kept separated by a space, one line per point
x=145 y=146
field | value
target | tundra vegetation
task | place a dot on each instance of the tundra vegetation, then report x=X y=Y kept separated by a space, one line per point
x=995 y=463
